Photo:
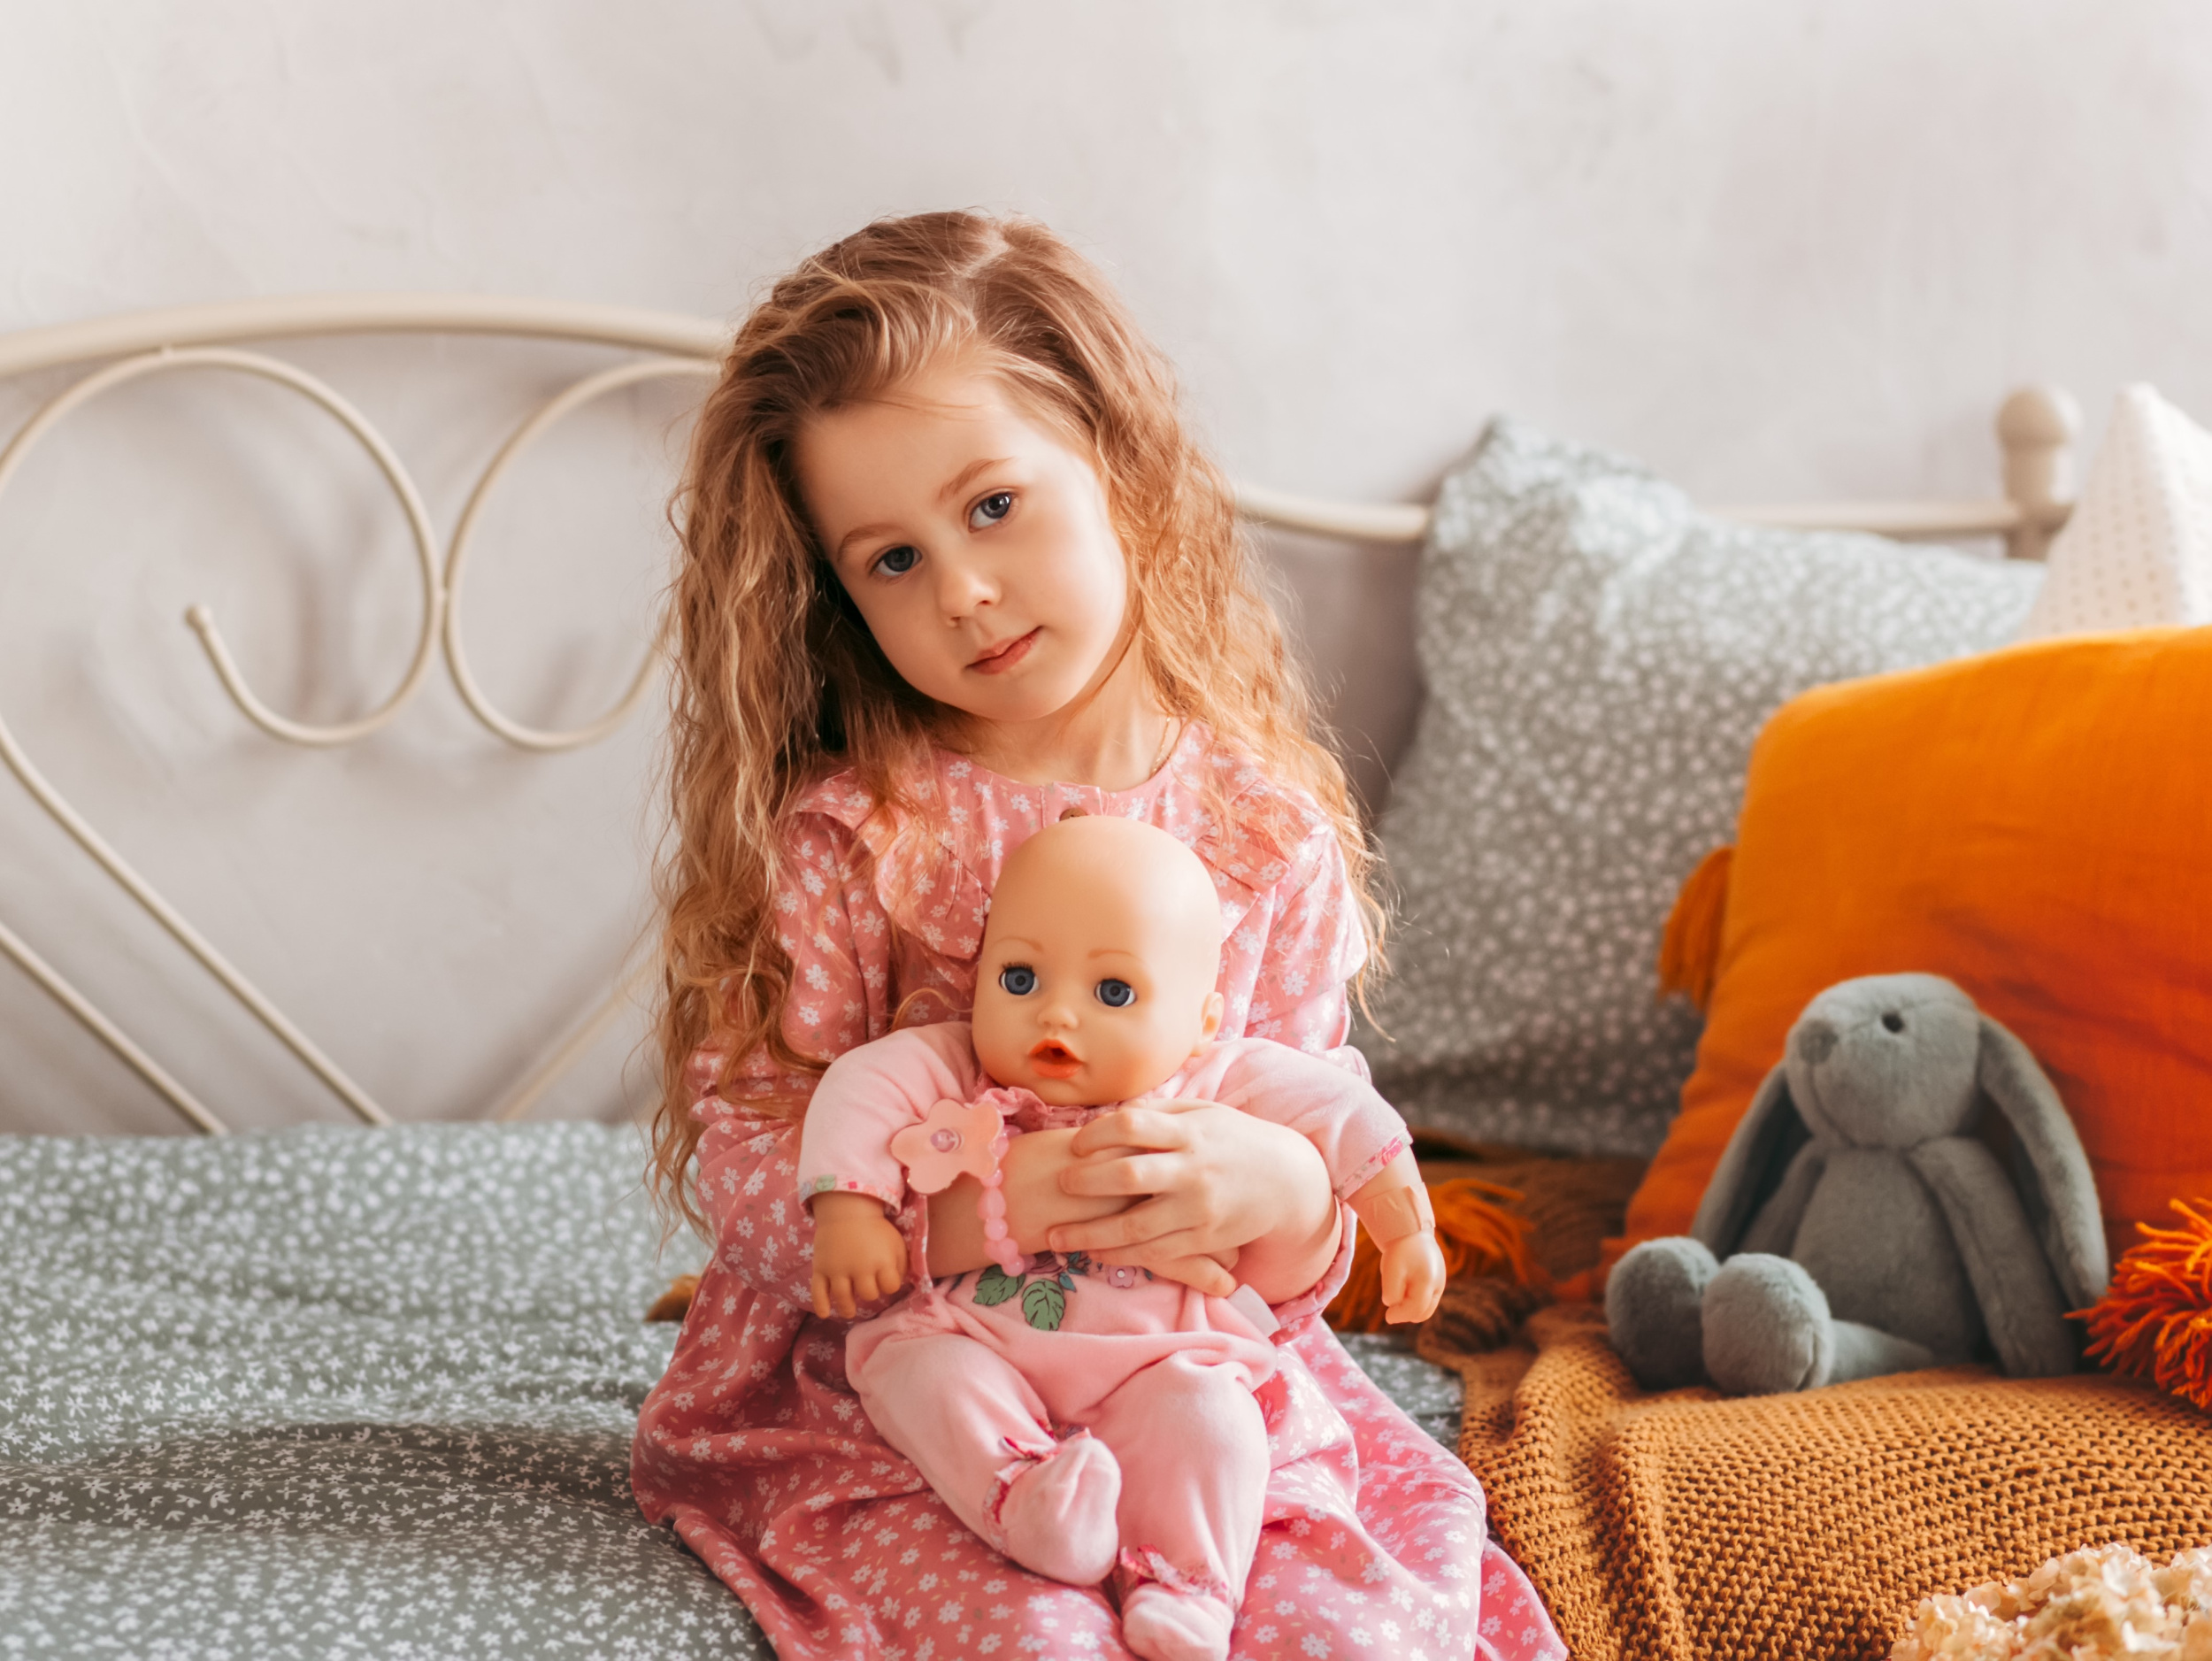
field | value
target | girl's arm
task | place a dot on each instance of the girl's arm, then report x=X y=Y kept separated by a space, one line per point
x=1315 y=945
x=1222 y=1185
x=1035 y=1204
x=748 y=1165
x=832 y=926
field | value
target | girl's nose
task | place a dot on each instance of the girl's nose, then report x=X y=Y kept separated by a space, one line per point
x=962 y=588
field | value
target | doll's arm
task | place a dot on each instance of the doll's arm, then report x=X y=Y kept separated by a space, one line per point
x=848 y=1175
x=1356 y=1132
x=1364 y=1143
x=870 y=1095
x=1393 y=1209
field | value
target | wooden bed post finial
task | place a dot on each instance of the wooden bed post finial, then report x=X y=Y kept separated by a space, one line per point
x=2036 y=428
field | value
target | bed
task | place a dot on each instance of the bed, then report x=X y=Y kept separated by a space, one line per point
x=323 y=1391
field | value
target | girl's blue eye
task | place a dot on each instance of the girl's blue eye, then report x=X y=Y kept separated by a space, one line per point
x=896 y=562
x=1117 y=995
x=1019 y=979
x=991 y=510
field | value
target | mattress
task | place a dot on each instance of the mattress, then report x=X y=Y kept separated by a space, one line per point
x=330 y=1392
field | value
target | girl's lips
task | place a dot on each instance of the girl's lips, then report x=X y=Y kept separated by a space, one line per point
x=999 y=659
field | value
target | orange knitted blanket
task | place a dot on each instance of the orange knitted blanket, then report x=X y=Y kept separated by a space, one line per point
x=1691 y=1527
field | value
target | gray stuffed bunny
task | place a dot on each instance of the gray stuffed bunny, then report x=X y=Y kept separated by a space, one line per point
x=1855 y=1225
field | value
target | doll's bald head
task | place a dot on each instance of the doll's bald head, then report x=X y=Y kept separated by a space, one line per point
x=1096 y=978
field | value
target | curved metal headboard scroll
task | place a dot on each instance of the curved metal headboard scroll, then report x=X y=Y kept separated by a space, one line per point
x=203 y=337
x=2035 y=427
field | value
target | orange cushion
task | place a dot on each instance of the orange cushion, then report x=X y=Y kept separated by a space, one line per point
x=2037 y=824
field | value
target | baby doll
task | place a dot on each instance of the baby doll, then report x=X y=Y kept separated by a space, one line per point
x=1086 y=1420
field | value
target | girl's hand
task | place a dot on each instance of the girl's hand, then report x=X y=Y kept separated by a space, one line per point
x=1035 y=1204
x=859 y=1255
x=1219 y=1184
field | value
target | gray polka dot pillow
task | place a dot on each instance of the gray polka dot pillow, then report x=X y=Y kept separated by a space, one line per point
x=1597 y=657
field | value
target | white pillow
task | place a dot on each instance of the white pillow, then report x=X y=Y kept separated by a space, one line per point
x=2138 y=551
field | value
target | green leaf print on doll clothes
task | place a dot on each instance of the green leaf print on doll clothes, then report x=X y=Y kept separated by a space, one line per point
x=1045 y=1283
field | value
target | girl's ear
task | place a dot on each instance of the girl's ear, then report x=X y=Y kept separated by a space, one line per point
x=1210 y=1023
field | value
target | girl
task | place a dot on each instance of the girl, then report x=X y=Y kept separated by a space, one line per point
x=953 y=570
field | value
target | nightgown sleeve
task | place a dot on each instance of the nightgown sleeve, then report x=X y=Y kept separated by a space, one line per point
x=832 y=925
x=1315 y=945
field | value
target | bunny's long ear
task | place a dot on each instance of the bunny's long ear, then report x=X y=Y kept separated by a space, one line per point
x=2056 y=1188
x=1767 y=1139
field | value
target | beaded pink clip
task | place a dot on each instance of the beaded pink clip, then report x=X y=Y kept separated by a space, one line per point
x=954 y=1137
x=996 y=1238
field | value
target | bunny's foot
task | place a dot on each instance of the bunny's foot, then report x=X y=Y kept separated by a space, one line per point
x=1654 y=1303
x=1767 y=1327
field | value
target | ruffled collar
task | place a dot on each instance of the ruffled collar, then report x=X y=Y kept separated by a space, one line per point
x=934 y=870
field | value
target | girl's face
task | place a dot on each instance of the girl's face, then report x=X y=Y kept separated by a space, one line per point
x=975 y=542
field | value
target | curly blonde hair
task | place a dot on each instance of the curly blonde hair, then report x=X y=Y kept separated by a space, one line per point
x=779 y=682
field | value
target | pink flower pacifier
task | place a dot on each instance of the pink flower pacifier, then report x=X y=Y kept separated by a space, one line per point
x=954 y=1137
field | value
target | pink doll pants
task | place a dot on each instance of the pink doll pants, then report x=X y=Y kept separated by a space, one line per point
x=972 y=1402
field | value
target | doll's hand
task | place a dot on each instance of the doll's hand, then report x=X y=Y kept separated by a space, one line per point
x=859 y=1255
x=1394 y=1207
x=1412 y=1277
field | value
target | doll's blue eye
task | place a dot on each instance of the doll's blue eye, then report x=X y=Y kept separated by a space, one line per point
x=1019 y=979
x=896 y=562
x=1117 y=995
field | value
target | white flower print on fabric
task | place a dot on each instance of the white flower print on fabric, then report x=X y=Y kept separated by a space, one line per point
x=1598 y=659
x=330 y=1392
x=824 y=1533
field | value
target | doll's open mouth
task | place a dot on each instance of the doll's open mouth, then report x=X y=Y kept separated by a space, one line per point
x=1054 y=1060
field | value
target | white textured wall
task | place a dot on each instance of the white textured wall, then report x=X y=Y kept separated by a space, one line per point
x=1780 y=249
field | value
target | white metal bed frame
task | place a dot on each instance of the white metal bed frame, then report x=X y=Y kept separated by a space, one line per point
x=2036 y=428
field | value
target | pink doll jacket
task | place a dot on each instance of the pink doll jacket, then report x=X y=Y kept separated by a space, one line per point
x=872 y=1093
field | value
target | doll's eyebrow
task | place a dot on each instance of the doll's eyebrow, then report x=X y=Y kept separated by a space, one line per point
x=960 y=480
x=1016 y=939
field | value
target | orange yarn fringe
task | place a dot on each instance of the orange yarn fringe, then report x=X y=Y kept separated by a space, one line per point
x=1478 y=1238
x=2155 y=1320
x=674 y=1304
x=1689 y=951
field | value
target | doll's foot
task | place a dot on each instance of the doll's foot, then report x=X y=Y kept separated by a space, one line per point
x=1655 y=1300
x=1161 y=1625
x=1767 y=1328
x=1058 y=1517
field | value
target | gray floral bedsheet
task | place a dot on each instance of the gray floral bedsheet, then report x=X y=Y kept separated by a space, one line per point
x=324 y=1392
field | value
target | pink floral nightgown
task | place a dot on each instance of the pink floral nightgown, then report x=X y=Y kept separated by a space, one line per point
x=753 y=1445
